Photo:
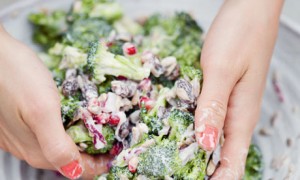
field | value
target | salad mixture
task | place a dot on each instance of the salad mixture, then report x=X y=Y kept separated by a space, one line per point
x=129 y=88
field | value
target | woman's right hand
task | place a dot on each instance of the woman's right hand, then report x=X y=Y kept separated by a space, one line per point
x=30 y=122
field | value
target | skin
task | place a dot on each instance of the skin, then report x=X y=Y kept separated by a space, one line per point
x=30 y=122
x=235 y=61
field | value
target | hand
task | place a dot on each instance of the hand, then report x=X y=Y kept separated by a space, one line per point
x=235 y=61
x=30 y=122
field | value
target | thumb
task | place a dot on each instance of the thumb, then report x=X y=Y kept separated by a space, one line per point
x=212 y=106
x=56 y=145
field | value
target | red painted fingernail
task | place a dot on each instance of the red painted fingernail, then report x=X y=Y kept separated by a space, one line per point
x=72 y=170
x=207 y=138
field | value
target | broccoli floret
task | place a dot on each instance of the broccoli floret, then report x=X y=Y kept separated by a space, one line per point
x=109 y=135
x=160 y=101
x=83 y=31
x=179 y=122
x=160 y=160
x=102 y=63
x=79 y=133
x=49 y=27
x=116 y=47
x=254 y=164
x=105 y=86
x=68 y=109
x=150 y=118
x=194 y=169
x=101 y=9
x=163 y=80
x=127 y=26
x=71 y=57
x=154 y=124
x=190 y=73
x=116 y=173
x=178 y=36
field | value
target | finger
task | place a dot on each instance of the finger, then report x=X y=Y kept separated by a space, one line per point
x=241 y=118
x=95 y=165
x=212 y=105
x=56 y=145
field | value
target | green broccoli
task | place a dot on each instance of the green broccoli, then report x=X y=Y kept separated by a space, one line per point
x=163 y=80
x=194 y=169
x=179 y=122
x=160 y=160
x=49 y=27
x=79 y=133
x=105 y=86
x=68 y=109
x=178 y=36
x=116 y=47
x=150 y=118
x=116 y=173
x=103 y=9
x=127 y=26
x=109 y=135
x=190 y=73
x=254 y=164
x=102 y=63
x=83 y=31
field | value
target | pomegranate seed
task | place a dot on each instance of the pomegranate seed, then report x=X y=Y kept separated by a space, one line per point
x=101 y=118
x=131 y=169
x=147 y=102
x=116 y=149
x=129 y=49
x=133 y=163
x=114 y=120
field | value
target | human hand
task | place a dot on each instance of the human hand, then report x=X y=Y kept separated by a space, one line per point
x=30 y=122
x=235 y=60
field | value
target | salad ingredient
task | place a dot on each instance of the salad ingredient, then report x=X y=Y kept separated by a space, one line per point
x=129 y=89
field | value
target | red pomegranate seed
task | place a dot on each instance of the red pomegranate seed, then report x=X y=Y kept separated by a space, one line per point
x=114 y=120
x=129 y=49
x=131 y=169
x=147 y=102
x=116 y=149
x=101 y=118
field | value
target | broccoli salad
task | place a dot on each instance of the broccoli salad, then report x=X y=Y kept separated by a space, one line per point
x=129 y=88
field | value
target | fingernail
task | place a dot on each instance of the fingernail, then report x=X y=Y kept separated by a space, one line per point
x=208 y=137
x=73 y=170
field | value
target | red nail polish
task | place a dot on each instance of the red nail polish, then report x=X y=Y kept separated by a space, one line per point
x=72 y=170
x=208 y=137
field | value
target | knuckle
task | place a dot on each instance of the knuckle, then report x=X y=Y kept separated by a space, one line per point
x=65 y=153
x=40 y=108
x=216 y=108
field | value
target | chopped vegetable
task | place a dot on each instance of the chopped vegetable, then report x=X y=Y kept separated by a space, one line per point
x=129 y=89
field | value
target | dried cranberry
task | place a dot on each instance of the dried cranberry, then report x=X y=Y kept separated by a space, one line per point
x=122 y=78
